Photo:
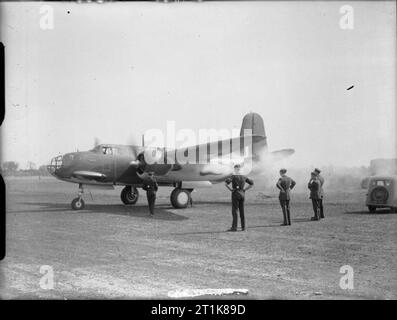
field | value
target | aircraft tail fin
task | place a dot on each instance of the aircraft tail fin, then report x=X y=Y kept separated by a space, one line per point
x=254 y=122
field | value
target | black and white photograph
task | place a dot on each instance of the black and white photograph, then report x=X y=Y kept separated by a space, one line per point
x=187 y=150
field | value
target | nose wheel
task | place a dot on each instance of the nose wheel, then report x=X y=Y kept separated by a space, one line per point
x=78 y=203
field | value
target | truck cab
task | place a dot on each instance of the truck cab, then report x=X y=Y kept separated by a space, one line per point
x=382 y=193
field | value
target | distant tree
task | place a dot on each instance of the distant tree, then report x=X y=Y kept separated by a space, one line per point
x=43 y=170
x=31 y=165
x=10 y=166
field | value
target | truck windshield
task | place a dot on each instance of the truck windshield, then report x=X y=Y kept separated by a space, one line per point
x=381 y=183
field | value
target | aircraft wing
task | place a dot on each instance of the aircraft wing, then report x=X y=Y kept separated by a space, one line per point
x=219 y=148
x=218 y=156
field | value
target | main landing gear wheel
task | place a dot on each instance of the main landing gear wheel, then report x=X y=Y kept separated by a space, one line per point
x=78 y=203
x=129 y=195
x=180 y=198
x=372 y=209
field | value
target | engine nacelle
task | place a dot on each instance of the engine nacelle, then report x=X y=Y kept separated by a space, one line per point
x=152 y=160
x=153 y=156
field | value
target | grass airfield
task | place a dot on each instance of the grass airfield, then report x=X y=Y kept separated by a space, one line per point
x=112 y=251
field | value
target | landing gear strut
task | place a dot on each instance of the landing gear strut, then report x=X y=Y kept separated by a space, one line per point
x=180 y=198
x=129 y=195
x=78 y=203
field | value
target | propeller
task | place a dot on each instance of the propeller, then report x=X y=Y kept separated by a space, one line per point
x=135 y=147
x=96 y=142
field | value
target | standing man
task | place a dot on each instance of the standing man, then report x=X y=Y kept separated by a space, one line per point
x=285 y=184
x=314 y=185
x=320 y=201
x=151 y=187
x=238 y=195
x=191 y=199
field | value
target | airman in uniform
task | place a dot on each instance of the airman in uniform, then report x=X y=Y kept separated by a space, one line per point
x=285 y=184
x=150 y=186
x=320 y=201
x=238 y=195
x=315 y=194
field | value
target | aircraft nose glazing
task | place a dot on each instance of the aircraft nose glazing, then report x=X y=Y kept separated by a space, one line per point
x=55 y=165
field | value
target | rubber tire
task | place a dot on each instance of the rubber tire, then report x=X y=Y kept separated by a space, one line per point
x=126 y=195
x=78 y=204
x=372 y=209
x=175 y=194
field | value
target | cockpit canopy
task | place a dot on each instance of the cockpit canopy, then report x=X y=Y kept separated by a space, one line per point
x=110 y=149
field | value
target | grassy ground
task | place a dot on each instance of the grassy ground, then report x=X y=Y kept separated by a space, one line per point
x=109 y=250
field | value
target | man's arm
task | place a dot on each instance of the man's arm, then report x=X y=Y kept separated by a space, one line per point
x=278 y=185
x=227 y=182
x=250 y=184
x=293 y=183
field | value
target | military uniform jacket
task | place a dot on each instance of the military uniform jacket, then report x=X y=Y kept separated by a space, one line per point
x=150 y=185
x=238 y=182
x=321 y=179
x=315 y=188
x=285 y=184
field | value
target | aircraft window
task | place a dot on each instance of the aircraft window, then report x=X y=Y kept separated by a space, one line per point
x=107 y=150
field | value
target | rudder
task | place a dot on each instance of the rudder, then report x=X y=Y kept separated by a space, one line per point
x=254 y=122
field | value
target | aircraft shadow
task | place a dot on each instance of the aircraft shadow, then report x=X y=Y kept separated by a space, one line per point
x=229 y=202
x=161 y=212
x=299 y=220
x=225 y=230
x=366 y=212
x=212 y=202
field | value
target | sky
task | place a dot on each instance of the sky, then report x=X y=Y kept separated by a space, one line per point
x=112 y=71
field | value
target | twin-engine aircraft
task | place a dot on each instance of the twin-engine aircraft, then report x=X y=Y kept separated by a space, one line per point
x=108 y=165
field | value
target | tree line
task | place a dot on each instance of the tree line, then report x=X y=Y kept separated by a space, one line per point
x=11 y=168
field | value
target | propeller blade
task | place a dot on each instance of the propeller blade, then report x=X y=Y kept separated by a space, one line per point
x=96 y=142
x=134 y=142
